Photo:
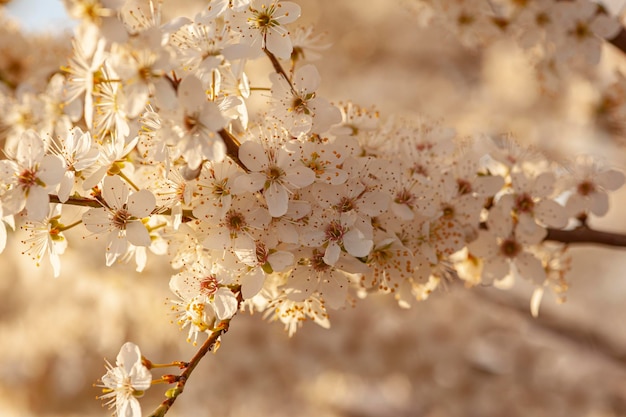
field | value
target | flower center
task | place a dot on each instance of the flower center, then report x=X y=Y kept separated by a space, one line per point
x=317 y=262
x=274 y=173
x=235 y=221
x=345 y=205
x=334 y=231
x=209 y=285
x=510 y=248
x=404 y=196
x=524 y=203
x=585 y=188
x=27 y=179
x=448 y=212
x=464 y=187
x=121 y=218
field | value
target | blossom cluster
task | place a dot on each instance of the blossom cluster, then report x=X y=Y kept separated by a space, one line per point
x=292 y=209
x=558 y=35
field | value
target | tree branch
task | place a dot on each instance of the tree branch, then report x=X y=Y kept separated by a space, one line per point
x=619 y=41
x=584 y=234
x=206 y=347
x=232 y=147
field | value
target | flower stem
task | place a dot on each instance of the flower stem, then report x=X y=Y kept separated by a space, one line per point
x=206 y=347
x=63 y=228
x=128 y=180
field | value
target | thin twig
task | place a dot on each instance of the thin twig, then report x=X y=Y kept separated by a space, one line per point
x=206 y=347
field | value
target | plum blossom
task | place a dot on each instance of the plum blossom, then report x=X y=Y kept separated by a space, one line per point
x=297 y=106
x=120 y=218
x=263 y=25
x=591 y=182
x=275 y=171
x=30 y=177
x=206 y=284
x=46 y=239
x=125 y=382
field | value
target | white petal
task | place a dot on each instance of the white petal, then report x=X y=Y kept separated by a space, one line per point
x=141 y=203
x=551 y=213
x=599 y=203
x=137 y=234
x=307 y=78
x=374 y=203
x=115 y=191
x=488 y=185
x=280 y=260
x=529 y=267
x=334 y=289
x=67 y=183
x=277 y=199
x=117 y=246
x=97 y=220
x=543 y=185
x=355 y=243
x=51 y=170
x=332 y=253
x=129 y=355
x=535 y=301
x=300 y=176
x=253 y=156
x=279 y=43
x=225 y=303
x=251 y=283
x=485 y=246
x=37 y=203
x=287 y=12
x=30 y=149
x=495 y=269
x=610 y=180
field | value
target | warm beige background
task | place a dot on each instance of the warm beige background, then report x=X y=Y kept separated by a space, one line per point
x=461 y=353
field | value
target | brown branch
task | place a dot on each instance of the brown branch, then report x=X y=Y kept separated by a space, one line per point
x=206 y=347
x=232 y=147
x=619 y=41
x=584 y=234
x=92 y=202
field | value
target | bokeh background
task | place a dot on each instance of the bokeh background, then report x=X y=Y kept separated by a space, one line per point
x=475 y=352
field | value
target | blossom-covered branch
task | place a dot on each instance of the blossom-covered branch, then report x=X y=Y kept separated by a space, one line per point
x=294 y=207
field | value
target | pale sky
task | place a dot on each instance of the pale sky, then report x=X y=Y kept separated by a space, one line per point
x=40 y=15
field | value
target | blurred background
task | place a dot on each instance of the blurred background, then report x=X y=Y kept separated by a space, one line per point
x=475 y=352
